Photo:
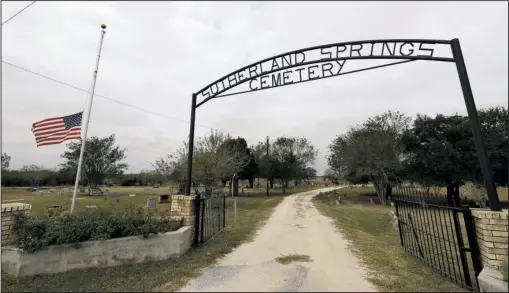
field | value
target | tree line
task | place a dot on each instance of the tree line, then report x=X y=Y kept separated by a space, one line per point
x=217 y=158
x=390 y=148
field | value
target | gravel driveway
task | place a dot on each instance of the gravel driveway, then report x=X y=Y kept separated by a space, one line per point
x=296 y=230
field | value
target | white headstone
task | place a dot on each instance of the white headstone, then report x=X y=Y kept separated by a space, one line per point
x=66 y=189
x=132 y=195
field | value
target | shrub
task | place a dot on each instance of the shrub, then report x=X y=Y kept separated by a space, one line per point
x=34 y=232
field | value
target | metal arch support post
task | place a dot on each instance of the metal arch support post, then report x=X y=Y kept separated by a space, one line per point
x=191 y=146
x=476 y=126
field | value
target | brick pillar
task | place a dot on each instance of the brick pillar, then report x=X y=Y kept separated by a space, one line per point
x=491 y=231
x=8 y=212
x=182 y=206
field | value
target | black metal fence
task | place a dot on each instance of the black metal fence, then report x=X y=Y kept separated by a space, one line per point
x=443 y=237
x=210 y=207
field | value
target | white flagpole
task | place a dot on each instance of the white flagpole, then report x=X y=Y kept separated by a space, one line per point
x=85 y=128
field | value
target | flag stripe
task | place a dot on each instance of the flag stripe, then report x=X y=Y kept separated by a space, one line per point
x=59 y=141
x=59 y=134
x=48 y=130
x=61 y=121
x=46 y=120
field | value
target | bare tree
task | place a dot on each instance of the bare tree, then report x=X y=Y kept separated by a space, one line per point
x=6 y=161
x=211 y=162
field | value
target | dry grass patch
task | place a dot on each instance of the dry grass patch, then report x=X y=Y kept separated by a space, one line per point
x=374 y=240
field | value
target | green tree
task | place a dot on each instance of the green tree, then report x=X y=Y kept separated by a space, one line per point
x=266 y=163
x=373 y=148
x=440 y=150
x=248 y=166
x=291 y=156
x=100 y=159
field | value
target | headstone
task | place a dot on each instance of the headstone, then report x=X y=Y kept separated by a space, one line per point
x=91 y=207
x=371 y=201
x=151 y=203
x=147 y=187
x=164 y=198
x=95 y=191
x=52 y=190
x=132 y=195
x=66 y=189
x=337 y=202
x=57 y=207
x=115 y=195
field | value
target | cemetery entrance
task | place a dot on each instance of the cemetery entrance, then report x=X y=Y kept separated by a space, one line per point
x=331 y=60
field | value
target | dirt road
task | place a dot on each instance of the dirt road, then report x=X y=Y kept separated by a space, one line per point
x=295 y=231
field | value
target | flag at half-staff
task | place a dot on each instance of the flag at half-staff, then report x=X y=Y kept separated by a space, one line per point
x=57 y=130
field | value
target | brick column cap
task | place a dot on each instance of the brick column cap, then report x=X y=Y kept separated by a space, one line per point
x=15 y=206
x=183 y=197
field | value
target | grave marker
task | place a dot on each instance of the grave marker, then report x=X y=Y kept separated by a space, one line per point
x=151 y=203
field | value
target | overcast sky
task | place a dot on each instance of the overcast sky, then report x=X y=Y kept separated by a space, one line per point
x=156 y=54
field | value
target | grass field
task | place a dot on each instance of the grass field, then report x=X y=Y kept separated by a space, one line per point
x=372 y=237
x=160 y=276
x=41 y=202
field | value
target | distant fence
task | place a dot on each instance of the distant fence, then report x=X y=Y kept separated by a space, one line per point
x=438 y=197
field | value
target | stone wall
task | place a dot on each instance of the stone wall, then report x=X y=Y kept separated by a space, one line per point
x=9 y=210
x=103 y=253
x=492 y=232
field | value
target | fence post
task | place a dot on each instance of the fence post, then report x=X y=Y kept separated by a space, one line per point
x=224 y=211
x=399 y=224
x=197 y=207
x=461 y=245
x=204 y=205
x=472 y=241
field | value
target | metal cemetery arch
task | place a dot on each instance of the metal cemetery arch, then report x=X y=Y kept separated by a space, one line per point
x=409 y=50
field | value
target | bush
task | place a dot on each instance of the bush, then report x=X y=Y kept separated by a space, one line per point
x=34 y=232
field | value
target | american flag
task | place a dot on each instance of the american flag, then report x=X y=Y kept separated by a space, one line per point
x=56 y=130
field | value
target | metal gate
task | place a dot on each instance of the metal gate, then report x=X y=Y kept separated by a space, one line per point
x=210 y=216
x=442 y=237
